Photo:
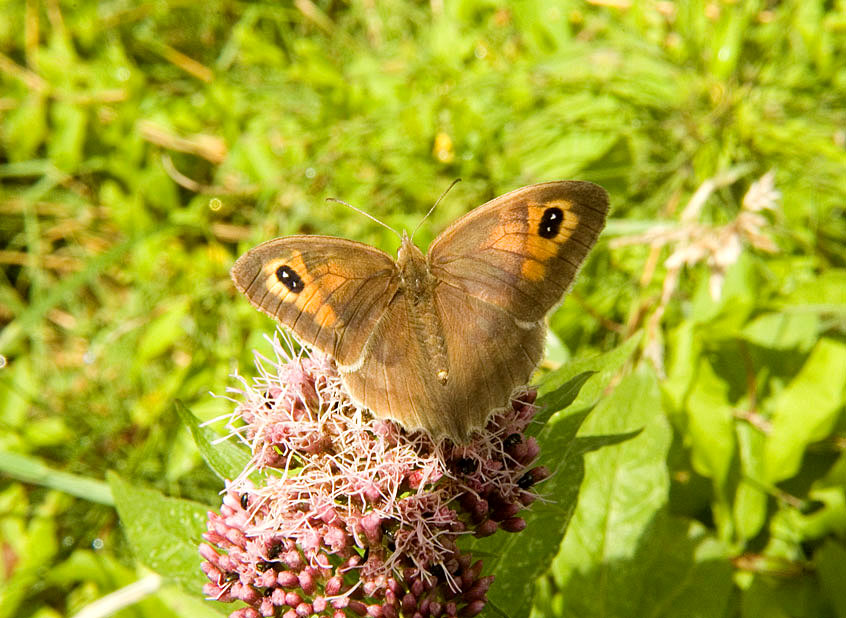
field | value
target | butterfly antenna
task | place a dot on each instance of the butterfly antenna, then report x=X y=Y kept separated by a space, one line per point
x=366 y=214
x=435 y=205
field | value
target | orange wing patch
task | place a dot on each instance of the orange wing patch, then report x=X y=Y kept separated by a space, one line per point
x=524 y=238
x=312 y=299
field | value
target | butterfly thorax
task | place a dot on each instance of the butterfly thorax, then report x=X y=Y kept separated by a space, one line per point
x=418 y=284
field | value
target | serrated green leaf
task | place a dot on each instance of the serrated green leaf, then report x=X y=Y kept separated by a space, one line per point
x=530 y=552
x=621 y=538
x=806 y=410
x=226 y=458
x=605 y=366
x=164 y=532
x=623 y=486
x=562 y=397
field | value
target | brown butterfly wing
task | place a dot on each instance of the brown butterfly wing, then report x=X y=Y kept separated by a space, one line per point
x=522 y=250
x=330 y=291
x=393 y=378
x=488 y=357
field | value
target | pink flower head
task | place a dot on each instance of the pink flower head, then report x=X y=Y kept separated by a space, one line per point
x=354 y=516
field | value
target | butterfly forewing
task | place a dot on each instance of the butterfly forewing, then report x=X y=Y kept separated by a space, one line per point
x=330 y=291
x=521 y=251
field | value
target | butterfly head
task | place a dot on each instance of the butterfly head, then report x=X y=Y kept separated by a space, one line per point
x=408 y=252
x=412 y=265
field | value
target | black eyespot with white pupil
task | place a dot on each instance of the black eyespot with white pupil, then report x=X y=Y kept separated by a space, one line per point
x=289 y=279
x=550 y=222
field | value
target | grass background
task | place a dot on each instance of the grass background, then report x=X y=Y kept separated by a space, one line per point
x=143 y=146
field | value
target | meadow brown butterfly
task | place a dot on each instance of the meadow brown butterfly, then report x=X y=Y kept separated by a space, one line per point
x=436 y=341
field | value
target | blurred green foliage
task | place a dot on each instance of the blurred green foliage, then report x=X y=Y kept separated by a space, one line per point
x=143 y=146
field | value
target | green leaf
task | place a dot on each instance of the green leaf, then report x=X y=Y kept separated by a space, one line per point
x=17 y=386
x=830 y=561
x=676 y=570
x=828 y=517
x=225 y=457
x=35 y=557
x=163 y=331
x=684 y=348
x=625 y=485
x=783 y=330
x=530 y=552
x=87 y=565
x=100 y=572
x=806 y=410
x=185 y=604
x=25 y=127
x=65 y=144
x=623 y=554
x=604 y=366
x=164 y=532
x=725 y=315
x=562 y=397
x=750 y=499
x=710 y=425
x=825 y=292
x=783 y=598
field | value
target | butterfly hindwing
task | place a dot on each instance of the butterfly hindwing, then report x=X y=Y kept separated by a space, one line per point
x=330 y=291
x=488 y=356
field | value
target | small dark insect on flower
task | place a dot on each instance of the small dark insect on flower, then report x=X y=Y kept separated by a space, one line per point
x=391 y=541
x=525 y=481
x=274 y=551
x=512 y=440
x=465 y=465
x=355 y=516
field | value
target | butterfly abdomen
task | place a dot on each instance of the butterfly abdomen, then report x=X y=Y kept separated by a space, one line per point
x=428 y=329
x=419 y=284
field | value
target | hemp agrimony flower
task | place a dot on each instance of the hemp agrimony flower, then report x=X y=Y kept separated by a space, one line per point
x=340 y=514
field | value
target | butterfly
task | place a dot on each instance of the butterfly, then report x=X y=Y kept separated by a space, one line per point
x=436 y=341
